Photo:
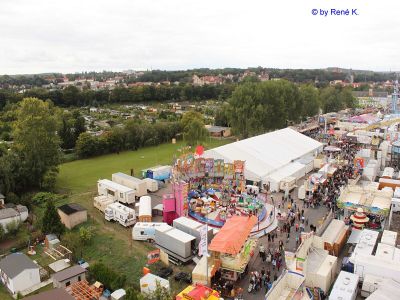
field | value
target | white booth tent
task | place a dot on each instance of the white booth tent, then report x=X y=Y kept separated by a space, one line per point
x=267 y=153
x=294 y=169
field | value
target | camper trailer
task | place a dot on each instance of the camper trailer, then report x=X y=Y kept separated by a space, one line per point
x=175 y=242
x=101 y=202
x=136 y=184
x=120 y=213
x=151 y=185
x=145 y=231
x=116 y=191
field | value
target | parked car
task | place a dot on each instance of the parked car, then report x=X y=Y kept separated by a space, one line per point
x=183 y=277
x=164 y=272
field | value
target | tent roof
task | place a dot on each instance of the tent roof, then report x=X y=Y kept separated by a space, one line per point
x=268 y=152
x=286 y=171
x=232 y=236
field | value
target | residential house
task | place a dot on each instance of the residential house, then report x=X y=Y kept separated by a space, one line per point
x=18 y=272
x=13 y=213
x=218 y=131
x=68 y=276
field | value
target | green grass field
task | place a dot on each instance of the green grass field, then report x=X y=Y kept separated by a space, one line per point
x=81 y=175
x=112 y=243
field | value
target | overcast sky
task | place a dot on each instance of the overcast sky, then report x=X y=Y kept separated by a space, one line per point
x=39 y=36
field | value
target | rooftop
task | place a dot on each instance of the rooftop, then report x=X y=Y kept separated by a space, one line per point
x=16 y=263
x=71 y=208
x=59 y=294
x=68 y=273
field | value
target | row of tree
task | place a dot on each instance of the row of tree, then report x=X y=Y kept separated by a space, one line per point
x=132 y=136
x=255 y=108
x=72 y=96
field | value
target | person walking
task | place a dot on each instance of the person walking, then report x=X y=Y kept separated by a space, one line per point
x=262 y=252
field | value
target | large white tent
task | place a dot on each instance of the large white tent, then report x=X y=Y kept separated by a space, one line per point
x=267 y=153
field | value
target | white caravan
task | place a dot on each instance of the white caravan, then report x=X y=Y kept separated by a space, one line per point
x=121 y=214
x=145 y=231
x=117 y=191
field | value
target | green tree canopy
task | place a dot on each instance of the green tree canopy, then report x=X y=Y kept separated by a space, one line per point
x=51 y=222
x=35 y=139
x=194 y=133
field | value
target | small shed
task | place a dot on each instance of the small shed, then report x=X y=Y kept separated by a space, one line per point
x=51 y=241
x=68 y=276
x=72 y=214
x=148 y=283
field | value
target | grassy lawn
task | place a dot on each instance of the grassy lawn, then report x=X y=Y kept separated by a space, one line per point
x=4 y=294
x=81 y=175
x=112 y=244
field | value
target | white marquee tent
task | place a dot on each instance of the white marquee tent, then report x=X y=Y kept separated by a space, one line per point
x=267 y=153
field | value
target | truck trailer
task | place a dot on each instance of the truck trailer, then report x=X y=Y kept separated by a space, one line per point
x=116 y=191
x=138 y=185
x=151 y=185
x=101 y=202
x=175 y=242
x=120 y=213
x=193 y=228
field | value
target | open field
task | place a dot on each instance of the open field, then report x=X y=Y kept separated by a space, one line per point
x=112 y=244
x=81 y=175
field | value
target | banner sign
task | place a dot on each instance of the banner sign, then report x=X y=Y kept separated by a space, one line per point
x=153 y=256
x=203 y=241
x=300 y=263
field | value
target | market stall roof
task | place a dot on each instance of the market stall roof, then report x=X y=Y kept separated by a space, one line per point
x=232 y=236
x=268 y=152
x=291 y=169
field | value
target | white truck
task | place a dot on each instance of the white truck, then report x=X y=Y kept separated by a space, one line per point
x=145 y=231
x=116 y=191
x=138 y=185
x=120 y=213
x=101 y=202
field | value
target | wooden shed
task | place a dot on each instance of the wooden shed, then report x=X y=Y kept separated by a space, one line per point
x=72 y=214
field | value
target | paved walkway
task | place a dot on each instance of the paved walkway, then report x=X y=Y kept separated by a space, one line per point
x=256 y=264
x=35 y=287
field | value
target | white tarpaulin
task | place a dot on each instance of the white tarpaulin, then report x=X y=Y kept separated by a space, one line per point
x=267 y=153
x=295 y=169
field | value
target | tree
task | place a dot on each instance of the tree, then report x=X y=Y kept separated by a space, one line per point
x=2 y=233
x=190 y=116
x=86 y=145
x=132 y=294
x=310 y=99
x=51 y=222
x=35 y=139
x=194 y=132
x=85 y=235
